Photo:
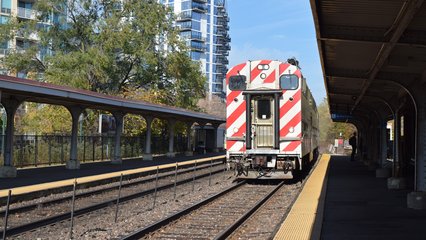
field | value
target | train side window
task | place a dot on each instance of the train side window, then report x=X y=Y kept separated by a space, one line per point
x=237 y=82
x=263 y=109
x=289 y=82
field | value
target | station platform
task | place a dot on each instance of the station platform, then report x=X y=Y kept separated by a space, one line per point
x=40 y=178
x=345 y=200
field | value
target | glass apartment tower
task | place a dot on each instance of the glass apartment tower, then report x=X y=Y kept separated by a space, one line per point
x=23 y=10
x=204 y=26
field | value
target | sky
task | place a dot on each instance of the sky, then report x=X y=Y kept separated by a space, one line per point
x=276 y=30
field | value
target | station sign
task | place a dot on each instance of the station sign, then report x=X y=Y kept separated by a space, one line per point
x=337 y=117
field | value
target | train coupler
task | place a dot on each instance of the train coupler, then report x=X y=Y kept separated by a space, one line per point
x=261 y=172
x=285 y=165
x=241 y=169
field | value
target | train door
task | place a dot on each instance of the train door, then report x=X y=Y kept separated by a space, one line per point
x=263 y=122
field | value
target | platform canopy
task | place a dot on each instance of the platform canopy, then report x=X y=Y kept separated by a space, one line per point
x=33 y=91
x=370 y=50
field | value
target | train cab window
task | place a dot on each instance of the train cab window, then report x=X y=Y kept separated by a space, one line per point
x=263 y=109
x=289 y=82
x=237 y=82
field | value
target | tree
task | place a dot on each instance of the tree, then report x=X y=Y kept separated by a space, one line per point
x=43 y=119
x=214 y=106
x=114 y=47
x=107 y=46
x=188 y=87
x=330 y=130
x=325 y=123
x=346 y=129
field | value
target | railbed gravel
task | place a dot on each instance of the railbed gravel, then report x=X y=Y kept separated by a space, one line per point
x=44 y=211
x=41 y=200
x=134 y=214
x=209 y=220
x=266 y=219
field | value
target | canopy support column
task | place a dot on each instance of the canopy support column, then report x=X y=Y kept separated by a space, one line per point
x=147 y=155
x=75 y=111
x=8 y=170
x=119 y=116
x=171 y=152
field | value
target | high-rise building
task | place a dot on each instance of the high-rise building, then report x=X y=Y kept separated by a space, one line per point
x=204 y=26
x=23 y=10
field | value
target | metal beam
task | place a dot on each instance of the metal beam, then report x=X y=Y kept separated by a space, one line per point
x=396 y=79
x=404 y=17
x=373 y=34
x=380 y=99
x=321 y=51
x=54 y=94
x=374 y=42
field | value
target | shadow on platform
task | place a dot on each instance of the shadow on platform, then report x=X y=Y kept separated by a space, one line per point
x=359 y=206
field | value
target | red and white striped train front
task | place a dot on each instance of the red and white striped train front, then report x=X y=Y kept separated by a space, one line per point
x=264 y=119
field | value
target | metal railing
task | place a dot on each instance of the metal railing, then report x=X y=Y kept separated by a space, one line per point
x=198 y=46
x=199 y=7
x=27 y=13
x=220 y=3
x=24 y=33
x=197 y=36
x=183 y=16
x=35 y=150
x=185 y=25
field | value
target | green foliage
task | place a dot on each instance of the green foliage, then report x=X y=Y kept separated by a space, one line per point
x=108 y=46
x=346 y=129
x=43 y=119
x=120 y=48
x=325 y=123
x=134 y=125
x=189 y=87
x=330 y=130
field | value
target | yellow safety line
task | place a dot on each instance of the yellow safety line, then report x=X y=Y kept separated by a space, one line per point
x=70 y=182
x=305 y=217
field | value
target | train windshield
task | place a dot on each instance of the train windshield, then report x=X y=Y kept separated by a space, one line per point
x=289 y=82
x=237 y=82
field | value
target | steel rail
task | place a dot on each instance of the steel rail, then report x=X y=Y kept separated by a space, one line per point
x=103 y=190
x=60 y=217
x=227 y=232
x=157 y=225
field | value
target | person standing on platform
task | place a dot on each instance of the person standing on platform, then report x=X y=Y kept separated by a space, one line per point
x=352 y=142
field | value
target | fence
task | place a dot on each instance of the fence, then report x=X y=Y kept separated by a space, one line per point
x=34 y=150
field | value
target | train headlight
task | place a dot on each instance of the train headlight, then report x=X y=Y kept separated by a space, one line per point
x=263 y=66
x=291 y=129
x=235 y=130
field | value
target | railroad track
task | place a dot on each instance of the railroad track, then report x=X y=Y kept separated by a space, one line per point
x=214 y=218
x=112 y=187
x=28 y=221
x=264 y=223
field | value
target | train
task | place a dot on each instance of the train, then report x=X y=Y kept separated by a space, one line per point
x=272 y=122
